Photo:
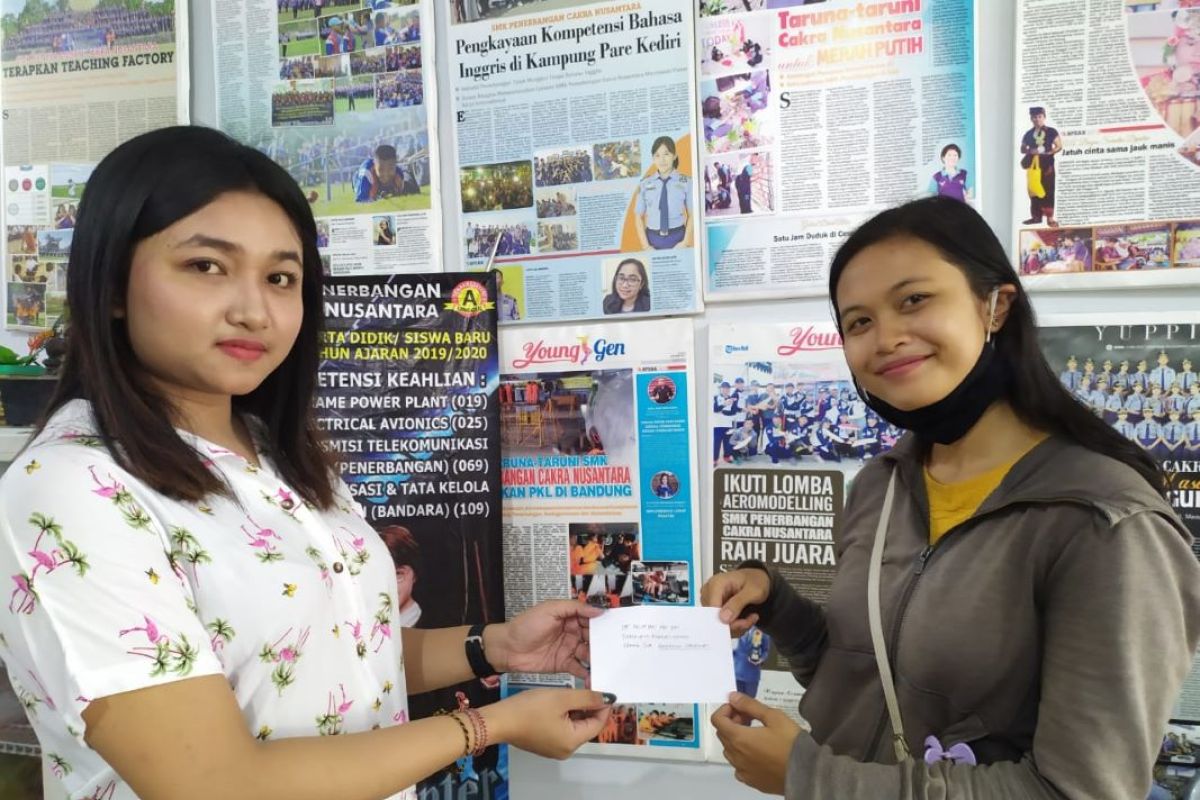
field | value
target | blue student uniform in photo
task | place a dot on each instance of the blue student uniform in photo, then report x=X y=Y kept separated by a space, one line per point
x=1186 y=379
x=1134 y=403
x=1125 y=428
x=1113 y=403
x=1193 y=405
x=1173 y=433
x=1098 y=399
x=362 y=181
x=1192 y=432
x=663 y=201
x=1163 y=376
x=1070 y=379
x=1147 y=432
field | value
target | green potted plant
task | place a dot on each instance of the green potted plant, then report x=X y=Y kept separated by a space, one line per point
x=26 y=385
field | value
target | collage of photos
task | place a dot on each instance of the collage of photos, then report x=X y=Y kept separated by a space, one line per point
x=1110 y=248
x=738 y=132
x=38 y=255
x=341 y=58
x=373 y=166
x=792 y=419
x=643 y=724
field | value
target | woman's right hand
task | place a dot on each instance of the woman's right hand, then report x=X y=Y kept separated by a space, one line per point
x=552 y=723
x=732 y=592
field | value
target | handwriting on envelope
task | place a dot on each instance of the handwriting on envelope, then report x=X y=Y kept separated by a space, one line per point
x=657 y=654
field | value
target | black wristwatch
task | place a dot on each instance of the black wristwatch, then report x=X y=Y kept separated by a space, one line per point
x=475 y=655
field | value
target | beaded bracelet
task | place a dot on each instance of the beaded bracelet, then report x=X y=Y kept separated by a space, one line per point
x=481 y=731
x=466 y=734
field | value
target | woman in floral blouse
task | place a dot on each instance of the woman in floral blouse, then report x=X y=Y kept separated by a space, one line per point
x=196 y=605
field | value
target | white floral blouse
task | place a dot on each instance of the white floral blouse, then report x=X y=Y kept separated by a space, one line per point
x=115 y=587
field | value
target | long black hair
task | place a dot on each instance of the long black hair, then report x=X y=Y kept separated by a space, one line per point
x=142 y=187
x=964 y=239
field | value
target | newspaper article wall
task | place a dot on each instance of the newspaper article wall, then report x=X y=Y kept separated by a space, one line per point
x=816 y=116
x=407 y=397
x=1138 y=372
x=76 y=80
x=1106 y=148
x=600 y=494
x=789 y=433
x=341 y=93
x=574 y=136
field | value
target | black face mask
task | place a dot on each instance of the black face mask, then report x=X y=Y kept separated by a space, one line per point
x=949 y=419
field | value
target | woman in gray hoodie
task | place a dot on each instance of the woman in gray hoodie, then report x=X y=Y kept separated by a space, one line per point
x=1016 y=605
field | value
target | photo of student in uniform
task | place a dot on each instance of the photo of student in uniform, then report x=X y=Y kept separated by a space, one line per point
x=630 y=289
x=665 y=217
x=950 y=181
x=661 y=389
x=750 y=652
x=197 y=595
x=664 y=485
x=725 y=411
x=1038 y=147
x=510 y=310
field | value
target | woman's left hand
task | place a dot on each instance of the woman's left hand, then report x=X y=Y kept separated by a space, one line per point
x=759 y=755
x=550 y=637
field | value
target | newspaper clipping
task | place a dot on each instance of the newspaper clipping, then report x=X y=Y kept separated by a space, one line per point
x=789 y=432
x=1138 y=373
x=407 y=396
x=815 y=117
x=340 y=92
x=599 y=490
x=574 y=141
x=1108 y=101
x=77 y=79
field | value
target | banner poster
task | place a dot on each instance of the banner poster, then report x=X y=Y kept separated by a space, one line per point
x=1106 y=146
x=817 y=116
x=599 y=491
x=76 y=80
x=789 y=433
x=408 y=377
x=574 y=141
x=341 y=94
x=1138 y=372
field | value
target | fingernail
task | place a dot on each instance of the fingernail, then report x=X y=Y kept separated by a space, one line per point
x=609 y=698
x=726 y=616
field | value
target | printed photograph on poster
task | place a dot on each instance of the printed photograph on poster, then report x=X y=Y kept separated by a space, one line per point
x=626 y=285
x=734 y=44
x=712 y=8
x=736 y=112
x=621 y=727
x=951 y=180
x=665 y=215
x=302 y=103
x=300 y=38
x=617 y=160
x=567 y=413
x=496 y=187
x=504 y=240
x=558 y=236
x=556 y=202
x=302 y=68
x=26 y=304
x=1139 y=374
x=382 y=168
x=555 y=168
x=1176 y=773
x=738 y=183
x=661 y=582
x=348 y=94
x=667 y=721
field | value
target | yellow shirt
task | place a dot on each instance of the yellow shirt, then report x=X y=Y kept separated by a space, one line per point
x=954 y=503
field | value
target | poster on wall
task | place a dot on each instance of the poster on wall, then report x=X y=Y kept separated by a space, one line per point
x=1106 y=149
x=341 y=94
x=598 y=466
x=76 y=80
x=407 y=397
x=789 y=433
x=816 y=116
x=574 y=136
x=1138 y=373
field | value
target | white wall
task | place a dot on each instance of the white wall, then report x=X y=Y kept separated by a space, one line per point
x=602 y=779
